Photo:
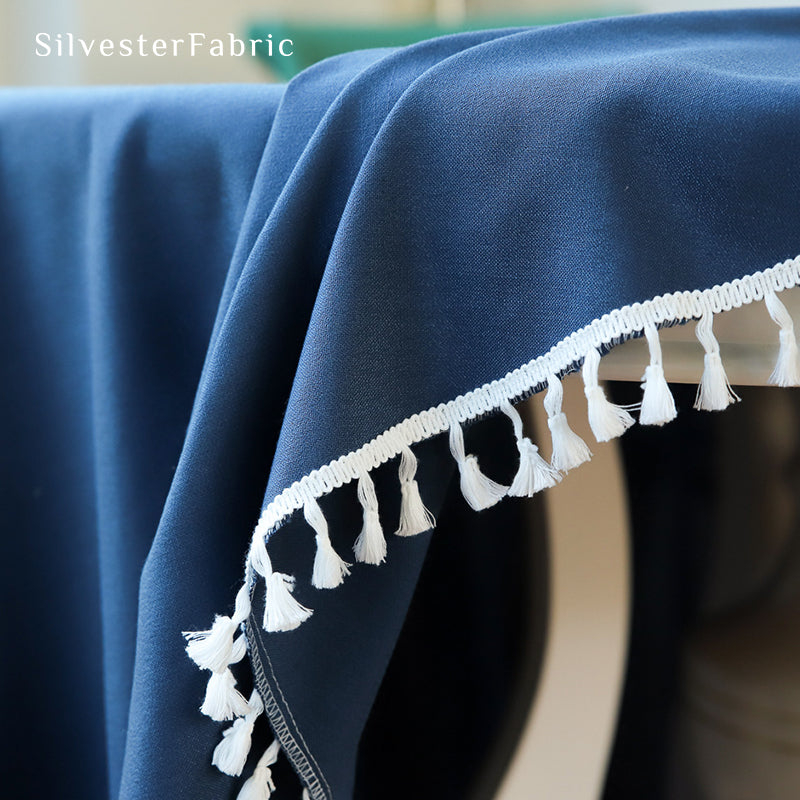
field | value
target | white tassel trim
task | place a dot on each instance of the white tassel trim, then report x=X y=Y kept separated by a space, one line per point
x=230 y=755
x=479 y=491
x=239 y=649
x=534 y=473
x=214 y=649
x=282 y=611
x=259 y=785
x=714 y=393
x=414 y=517
x=370 y=546
x=223 y=701
x=787 y=365
x=607 y=421
x=329 y=568
x=569 y=450
x=658 y=405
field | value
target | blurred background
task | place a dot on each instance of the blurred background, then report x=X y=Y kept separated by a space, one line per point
x=316 y=28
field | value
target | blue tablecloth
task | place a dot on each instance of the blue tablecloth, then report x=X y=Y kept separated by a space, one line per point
x=209 y=294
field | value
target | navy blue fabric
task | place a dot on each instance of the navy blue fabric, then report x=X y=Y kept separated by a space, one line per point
x=209 y=292
x=120 y=212
x=517 y=190
x=533 y=183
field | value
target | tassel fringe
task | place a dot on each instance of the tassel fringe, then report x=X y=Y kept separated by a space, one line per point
x=787 y=365
x=534 y=473
x=239 y=649
x=231 y=753
x=212 y=649
x=223 y=645
x=282 y=611
x=569 y=450
x=714 y=392
x=370 y=546
x=658 y=405
x=223 y=701
x=329 y=568
x=414 y=517
x=479 y=491
x=259 y=785
x=607 y=421
x=215 y=649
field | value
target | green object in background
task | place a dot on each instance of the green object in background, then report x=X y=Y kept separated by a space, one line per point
x=312 y=43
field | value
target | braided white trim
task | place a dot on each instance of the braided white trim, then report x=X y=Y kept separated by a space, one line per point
x=610 y=329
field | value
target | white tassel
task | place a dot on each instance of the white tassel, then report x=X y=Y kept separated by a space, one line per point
x=479 y=491
x=658 y=405
x=230 y=755
x=223 y=701
x=414 y=517
x=569 y=450
x=259 y=785
x=534 y=473
x=329 y=568
x=607 y=421
x=714 y=393
x=282 y=611
x=306 y=795
x=787 y=365
x=213 y=649
x=370 y=546
x=239 y=649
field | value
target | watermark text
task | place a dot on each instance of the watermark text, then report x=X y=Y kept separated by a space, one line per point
x=192 y=44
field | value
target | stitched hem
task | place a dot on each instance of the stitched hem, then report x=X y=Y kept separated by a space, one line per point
x=296 y=751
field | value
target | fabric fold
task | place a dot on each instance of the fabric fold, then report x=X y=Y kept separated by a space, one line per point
x=220 y=297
